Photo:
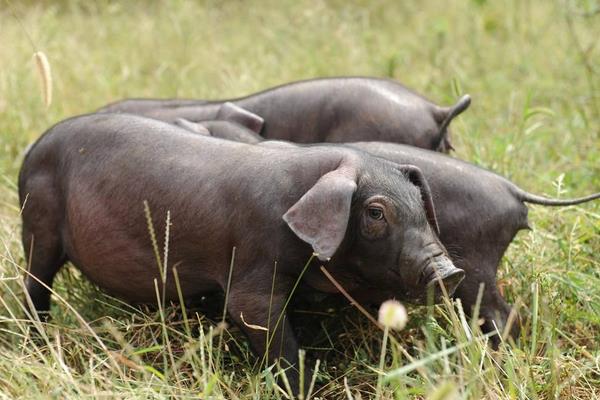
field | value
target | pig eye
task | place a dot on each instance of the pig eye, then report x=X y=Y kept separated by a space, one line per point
x=375 y=213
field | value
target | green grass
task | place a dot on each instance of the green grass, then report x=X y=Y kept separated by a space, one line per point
x=532 y=68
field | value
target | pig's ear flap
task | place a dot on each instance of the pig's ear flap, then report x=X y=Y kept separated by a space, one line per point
x=320 y=217
x=230 y=112
x=416 y=177
x=192 y=126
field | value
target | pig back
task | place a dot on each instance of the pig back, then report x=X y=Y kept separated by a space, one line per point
x=113 y=171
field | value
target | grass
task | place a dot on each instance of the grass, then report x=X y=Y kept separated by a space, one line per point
x=532 y=69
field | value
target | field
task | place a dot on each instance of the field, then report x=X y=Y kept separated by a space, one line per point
x=533 y=70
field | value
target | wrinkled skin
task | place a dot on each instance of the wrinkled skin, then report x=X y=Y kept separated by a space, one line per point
x=323 y=110
x=479 y=213
x=83 y=184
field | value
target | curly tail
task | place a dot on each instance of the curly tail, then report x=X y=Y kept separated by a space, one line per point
x=460 y=106
x=451 y=113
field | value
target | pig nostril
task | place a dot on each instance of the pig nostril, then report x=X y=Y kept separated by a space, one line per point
x=453 y=280
x=450 y=282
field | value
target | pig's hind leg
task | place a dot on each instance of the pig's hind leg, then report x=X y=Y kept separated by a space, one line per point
x=42 y=242
x=481 y=265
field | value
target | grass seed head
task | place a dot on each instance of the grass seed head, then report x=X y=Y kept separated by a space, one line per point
x=43 y=68
x=392 y=314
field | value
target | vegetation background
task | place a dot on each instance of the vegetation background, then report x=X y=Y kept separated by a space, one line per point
x=532 y=68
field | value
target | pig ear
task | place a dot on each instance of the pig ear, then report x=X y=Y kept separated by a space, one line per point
x=320 y=217
x=416 y=177
x=230 y=112
x=192 y=126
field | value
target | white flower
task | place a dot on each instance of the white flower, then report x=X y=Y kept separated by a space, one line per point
x=393 y=315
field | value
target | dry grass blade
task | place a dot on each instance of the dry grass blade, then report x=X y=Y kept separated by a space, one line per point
x=350 y=298
x=252 y=326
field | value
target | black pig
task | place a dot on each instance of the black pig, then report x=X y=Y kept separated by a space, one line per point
x=345 y=109
x=83 y=183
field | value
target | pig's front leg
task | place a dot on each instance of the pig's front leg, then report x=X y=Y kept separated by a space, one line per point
x=251 y=298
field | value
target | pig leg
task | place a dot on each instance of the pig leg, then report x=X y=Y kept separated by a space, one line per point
x=252 y=300
x=41 y=275
x=42 y=247
x=493 y=309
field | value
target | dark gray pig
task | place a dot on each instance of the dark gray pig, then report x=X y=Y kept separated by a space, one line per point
x=83 y=184
x=346 y=109
x=479 y=213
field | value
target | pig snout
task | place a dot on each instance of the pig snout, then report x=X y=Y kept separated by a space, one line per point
x=441 y=271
